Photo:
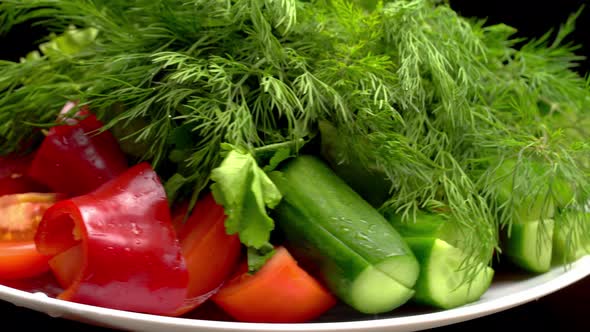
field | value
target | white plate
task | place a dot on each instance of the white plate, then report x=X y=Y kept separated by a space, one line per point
x=508 y=290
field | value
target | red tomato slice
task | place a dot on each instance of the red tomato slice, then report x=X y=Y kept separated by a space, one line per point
x=21 y=214
x=209 y=252
x=280 y=292
x=20 y=259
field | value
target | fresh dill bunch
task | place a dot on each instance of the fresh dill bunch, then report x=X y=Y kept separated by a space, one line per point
x=24 y=109
x=215 y=68
x=414 y=67
x=540 y=104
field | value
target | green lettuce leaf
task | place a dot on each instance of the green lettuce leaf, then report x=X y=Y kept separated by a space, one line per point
x=71 y=42
x=245 y=191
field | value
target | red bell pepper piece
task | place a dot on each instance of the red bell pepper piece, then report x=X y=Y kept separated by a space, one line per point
x=13 y=175
x=75 y=159
x=115 y=247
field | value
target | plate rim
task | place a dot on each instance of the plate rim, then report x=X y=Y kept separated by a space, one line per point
x=557 y=278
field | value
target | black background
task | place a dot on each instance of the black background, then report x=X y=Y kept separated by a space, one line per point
x=533 y=18
x=565 y=310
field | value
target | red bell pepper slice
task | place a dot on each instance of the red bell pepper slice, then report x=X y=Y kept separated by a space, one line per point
x=211 y=254
x=75 y=159
x=115 y=247
x=13 y=175
x=280 y=292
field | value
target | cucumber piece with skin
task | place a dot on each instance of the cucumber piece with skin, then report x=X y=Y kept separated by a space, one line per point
x=342 y=239
x=441 y=283
x=569 y=243
x=428 y=225
x=529 y=245
x=531 y=203
x=370 y=182
x=528 y=242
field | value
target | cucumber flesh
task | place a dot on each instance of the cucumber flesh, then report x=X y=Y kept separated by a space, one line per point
x=441 y=282
x=363 y=286
x=374 y=292
x=342 y=239
x=530 y=244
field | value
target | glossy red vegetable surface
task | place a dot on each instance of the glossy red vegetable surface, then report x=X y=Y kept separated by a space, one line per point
x=75 y=158
x=115 y=247
x=280 y=292
x=20 y=215
x=20 y=259
x=13 y=175
x=211 y=254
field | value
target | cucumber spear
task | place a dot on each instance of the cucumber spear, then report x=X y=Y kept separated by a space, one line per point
x=436 y=242
x=342 y=239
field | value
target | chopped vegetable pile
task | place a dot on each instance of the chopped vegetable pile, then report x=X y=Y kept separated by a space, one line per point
x=277 y=157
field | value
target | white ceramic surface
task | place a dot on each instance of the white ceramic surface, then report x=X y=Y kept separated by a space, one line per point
x=507 y=291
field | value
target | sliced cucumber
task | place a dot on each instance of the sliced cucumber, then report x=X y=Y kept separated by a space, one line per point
x=370 y=183
x=441 y=282
x=428 y=225
x=342 y=239
x=570 y=238
x=374 y=292
x=529 y=245
x=527 y=204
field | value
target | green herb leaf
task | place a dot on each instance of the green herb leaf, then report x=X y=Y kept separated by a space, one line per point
x=72 y=41
x=258 y=257
x=173 y=186
x=245 y=192
x=280 y=155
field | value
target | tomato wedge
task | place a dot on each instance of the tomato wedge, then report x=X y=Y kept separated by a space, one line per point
x=20 y=260
x=211 y=255
x=280 y=292
x=21 y=214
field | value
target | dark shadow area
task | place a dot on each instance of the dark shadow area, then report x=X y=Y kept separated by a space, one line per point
x=532 y=19
x=21 y=39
